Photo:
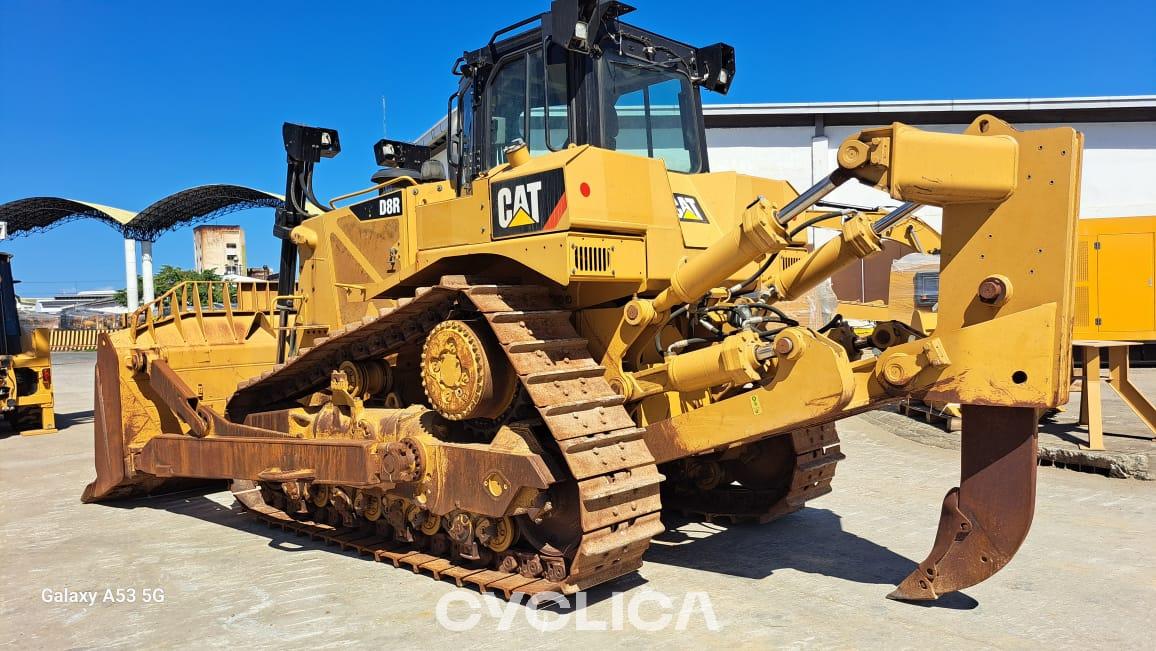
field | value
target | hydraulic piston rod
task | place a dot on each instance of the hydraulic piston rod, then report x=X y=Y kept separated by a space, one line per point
x=756 y=235
x=893 y=217
x=810 y=197
x=858 y=240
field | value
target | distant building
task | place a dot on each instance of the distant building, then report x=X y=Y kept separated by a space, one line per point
x=262 y=273
x=220 y=249
x=82 y=310
x=99 y=299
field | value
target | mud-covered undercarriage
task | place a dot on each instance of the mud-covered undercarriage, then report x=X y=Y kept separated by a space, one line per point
x=488 y=446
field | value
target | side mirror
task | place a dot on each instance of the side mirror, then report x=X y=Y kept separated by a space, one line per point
x=454 y=151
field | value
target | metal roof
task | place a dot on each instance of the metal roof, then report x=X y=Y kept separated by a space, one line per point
x=1134 y=108
x=195 y=205
x=36 y=214
x=1137 y=108
x=191 y=206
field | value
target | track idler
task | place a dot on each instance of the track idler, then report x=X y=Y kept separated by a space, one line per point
x=986 y=519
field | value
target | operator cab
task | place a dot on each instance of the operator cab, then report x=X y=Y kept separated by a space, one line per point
x=578 y=75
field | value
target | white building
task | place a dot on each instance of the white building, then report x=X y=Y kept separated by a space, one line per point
x=219 y=248
x=96 y=299
x=798 y=142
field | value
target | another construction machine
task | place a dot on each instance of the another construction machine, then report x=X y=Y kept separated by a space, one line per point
x=504 y=375
x=26 y=398
x=913 y=282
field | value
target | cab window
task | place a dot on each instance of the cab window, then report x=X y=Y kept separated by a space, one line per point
x=651 y=114
x=517 y=99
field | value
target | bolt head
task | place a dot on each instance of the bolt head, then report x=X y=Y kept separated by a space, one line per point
x=784 y=346
x=894 y=373
x=992 y=290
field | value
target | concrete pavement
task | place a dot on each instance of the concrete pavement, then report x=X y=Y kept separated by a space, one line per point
x=816 y=579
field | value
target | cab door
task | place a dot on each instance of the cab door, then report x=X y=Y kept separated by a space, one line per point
x=526 y=99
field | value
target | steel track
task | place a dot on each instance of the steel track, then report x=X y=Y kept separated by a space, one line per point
x=816 y=453
x=617 y=482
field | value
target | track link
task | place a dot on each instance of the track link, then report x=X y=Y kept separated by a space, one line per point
x=617 y=482
x=367 y=541
x=371 y=338
x=816 y=453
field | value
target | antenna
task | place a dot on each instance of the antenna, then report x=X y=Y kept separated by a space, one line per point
x=383 y=133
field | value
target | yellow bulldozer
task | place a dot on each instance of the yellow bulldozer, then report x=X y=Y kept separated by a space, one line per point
x=503 y=368
x=26 y=397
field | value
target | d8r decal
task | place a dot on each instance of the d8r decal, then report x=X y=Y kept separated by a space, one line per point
x=387 y=205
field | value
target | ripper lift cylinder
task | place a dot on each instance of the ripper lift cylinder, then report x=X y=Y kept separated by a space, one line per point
x=857 y=240
x=810 y=197
x=756 y=235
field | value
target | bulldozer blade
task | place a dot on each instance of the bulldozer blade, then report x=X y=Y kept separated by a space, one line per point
x=108 y=427
x=116 y=476
x=985 y=520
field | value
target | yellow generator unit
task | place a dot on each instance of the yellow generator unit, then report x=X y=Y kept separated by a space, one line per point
x=504 y=370
x=25 y=365
x=1115 y=270
x=1115 y=290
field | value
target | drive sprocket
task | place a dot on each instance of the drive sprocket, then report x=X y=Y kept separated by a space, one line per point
x=463 y=377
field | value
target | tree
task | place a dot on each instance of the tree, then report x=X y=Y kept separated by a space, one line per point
x=169 y=277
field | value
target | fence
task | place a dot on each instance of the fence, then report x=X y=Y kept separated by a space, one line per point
x=74 y=340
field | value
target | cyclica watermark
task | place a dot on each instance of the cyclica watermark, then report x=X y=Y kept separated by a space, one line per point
x=644 y=610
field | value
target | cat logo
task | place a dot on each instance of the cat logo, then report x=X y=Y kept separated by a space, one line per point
x=688 y=209
x=528 y=204
x=518 y=205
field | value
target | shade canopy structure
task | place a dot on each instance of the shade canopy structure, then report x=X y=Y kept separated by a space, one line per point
x=192 y=206
x=37 y=214
x=196 y=205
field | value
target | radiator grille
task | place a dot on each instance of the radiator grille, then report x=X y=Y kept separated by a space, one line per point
x=591 y=259
x=1082 y=262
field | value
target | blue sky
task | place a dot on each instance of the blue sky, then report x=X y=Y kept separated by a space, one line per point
x=125 y=102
